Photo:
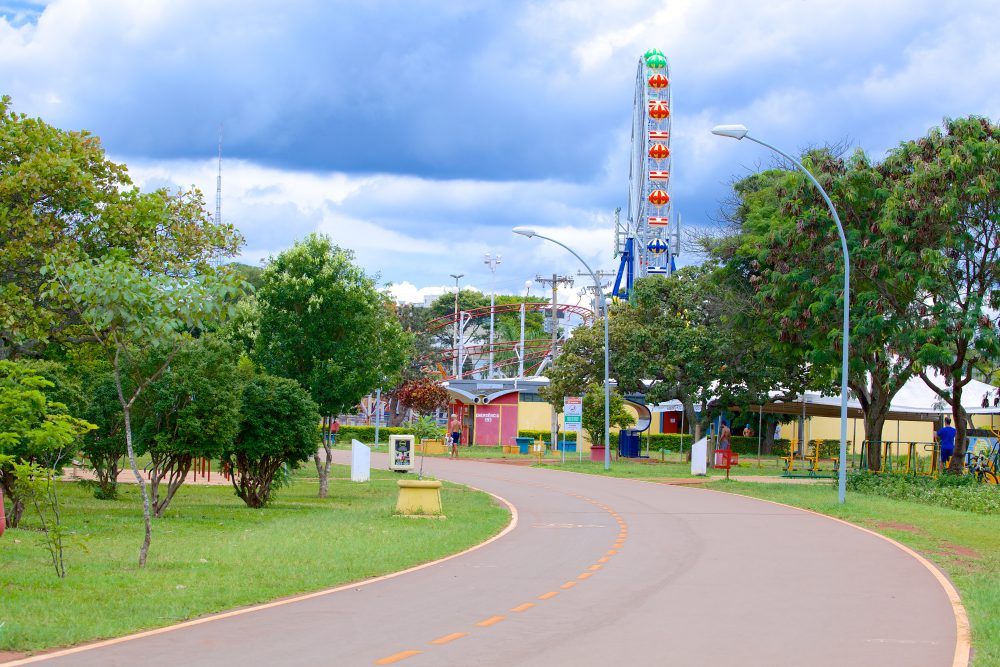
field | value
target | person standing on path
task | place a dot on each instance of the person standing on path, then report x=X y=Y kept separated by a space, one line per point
x=334 y=429
x=455 y=428
x=947 y=437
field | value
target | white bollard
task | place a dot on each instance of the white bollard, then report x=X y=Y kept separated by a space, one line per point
x=699 y=457
x=361 y=462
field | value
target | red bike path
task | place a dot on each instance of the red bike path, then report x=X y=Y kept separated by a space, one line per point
x=601 y=571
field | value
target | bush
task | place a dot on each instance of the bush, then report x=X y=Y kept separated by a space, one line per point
x=367 y=433
x=546 y=435
x=960 y=492
x=278 y=428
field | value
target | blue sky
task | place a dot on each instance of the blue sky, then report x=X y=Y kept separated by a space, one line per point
x=417 y=133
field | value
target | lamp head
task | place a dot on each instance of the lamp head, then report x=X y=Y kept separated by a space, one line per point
x=731 y=131
x=524 y=231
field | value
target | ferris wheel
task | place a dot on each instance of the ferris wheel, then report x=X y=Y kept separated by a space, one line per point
x=647 y=240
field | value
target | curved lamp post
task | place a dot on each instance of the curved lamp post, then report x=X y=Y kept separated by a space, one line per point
x=741 y=132
x=527 y=231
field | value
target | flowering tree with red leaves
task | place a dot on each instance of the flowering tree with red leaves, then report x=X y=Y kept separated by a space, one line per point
x=422 y=395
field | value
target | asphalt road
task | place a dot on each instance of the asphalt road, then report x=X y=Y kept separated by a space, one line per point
x=601 y=571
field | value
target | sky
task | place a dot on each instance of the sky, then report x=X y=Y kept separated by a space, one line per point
x=418 y=133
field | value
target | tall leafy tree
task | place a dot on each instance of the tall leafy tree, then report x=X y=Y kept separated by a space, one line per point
x=60 y=196
x=324 y=323
x=943 y=225
x=787 y=250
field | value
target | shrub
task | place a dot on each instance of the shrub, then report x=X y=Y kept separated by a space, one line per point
x=367 y=433
x=960 y=492
x=278 y=427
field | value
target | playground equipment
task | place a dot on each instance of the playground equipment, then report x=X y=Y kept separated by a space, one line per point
x=810 y=461
x=646 y=241
x=904 y=457
x=982 y=458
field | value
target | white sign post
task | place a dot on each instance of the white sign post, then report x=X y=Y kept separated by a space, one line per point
x=361 y=462
x=572 y=422
x=699 y=456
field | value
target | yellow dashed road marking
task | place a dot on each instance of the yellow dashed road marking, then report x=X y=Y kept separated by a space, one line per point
x=603 y=559
x=550 y=594
x=612 y=552
x=585 y=575
x=396 y=657
x=449 y=638
x=523 y=607
x=593 y=568
x=568 y=584
x=492 y=620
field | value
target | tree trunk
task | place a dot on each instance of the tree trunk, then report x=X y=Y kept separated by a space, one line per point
x=874 y=423
x=144 y=549
x=960 y=417
x=177 y=467
x=323 y=469
x=14 y=505
x=127 y=414
x=106 y=469
x=770 y=426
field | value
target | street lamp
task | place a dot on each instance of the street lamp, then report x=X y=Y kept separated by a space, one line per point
x=741 y=132
x=527 y=231
x=454 y=365
x=492 y=261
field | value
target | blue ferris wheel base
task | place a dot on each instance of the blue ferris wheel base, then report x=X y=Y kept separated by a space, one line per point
x=626 y=269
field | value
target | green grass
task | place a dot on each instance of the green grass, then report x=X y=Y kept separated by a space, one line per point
x=672 y=465
x=212 y=553
x=965 y=545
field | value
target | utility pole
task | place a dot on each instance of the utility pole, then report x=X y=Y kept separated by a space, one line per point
x=555 y=281
x=601 y=275
x=492 y=261
x=454 y=363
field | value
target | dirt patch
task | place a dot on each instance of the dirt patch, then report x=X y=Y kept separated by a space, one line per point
x=949 y=549
x=895 y=525
x=10 y=656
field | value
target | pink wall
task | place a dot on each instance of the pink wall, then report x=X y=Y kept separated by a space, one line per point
x=496 y=423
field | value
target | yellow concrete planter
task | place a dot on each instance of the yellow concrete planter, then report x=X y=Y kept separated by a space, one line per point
x=419 y=497
x=432 y=446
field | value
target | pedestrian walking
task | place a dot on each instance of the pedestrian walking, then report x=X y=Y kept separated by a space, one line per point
x=455 y=428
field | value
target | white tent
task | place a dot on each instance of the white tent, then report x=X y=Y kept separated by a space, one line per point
x=914 y=402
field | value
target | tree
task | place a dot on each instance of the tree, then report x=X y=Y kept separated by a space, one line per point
x=786 y=248
x=943 y=224
x=278 y=428
x=593 y=412
x=132 y=311
x=105 y=446
x=324 y=324
x=191 y=411
x=422 y=395
x=60 y=196
x=33 y=430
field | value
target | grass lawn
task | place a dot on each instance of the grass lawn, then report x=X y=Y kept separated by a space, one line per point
x=212 y=553
x=672 y=465
x=964 y=545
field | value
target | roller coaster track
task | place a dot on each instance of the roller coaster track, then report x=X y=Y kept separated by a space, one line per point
x=450 y=318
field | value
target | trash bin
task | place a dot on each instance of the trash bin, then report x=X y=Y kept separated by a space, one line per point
x=628 y=444
x=523 y=445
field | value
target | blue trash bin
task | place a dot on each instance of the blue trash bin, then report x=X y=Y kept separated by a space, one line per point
x=628 y=444
x=523 y=445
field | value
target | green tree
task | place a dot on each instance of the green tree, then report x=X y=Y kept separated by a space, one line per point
x=788 y=251
x=104 y=447
x=191 y=411
x=60 y=196
x=133 y=312
x=33 y=430
x=278 y=428
x=943 y=225
x=324 y=323
x=593 y=412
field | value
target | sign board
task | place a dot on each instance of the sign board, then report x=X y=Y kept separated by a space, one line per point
x=572 y=414
x=361 y=462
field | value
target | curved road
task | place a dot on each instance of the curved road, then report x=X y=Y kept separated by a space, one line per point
x=601 y=571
